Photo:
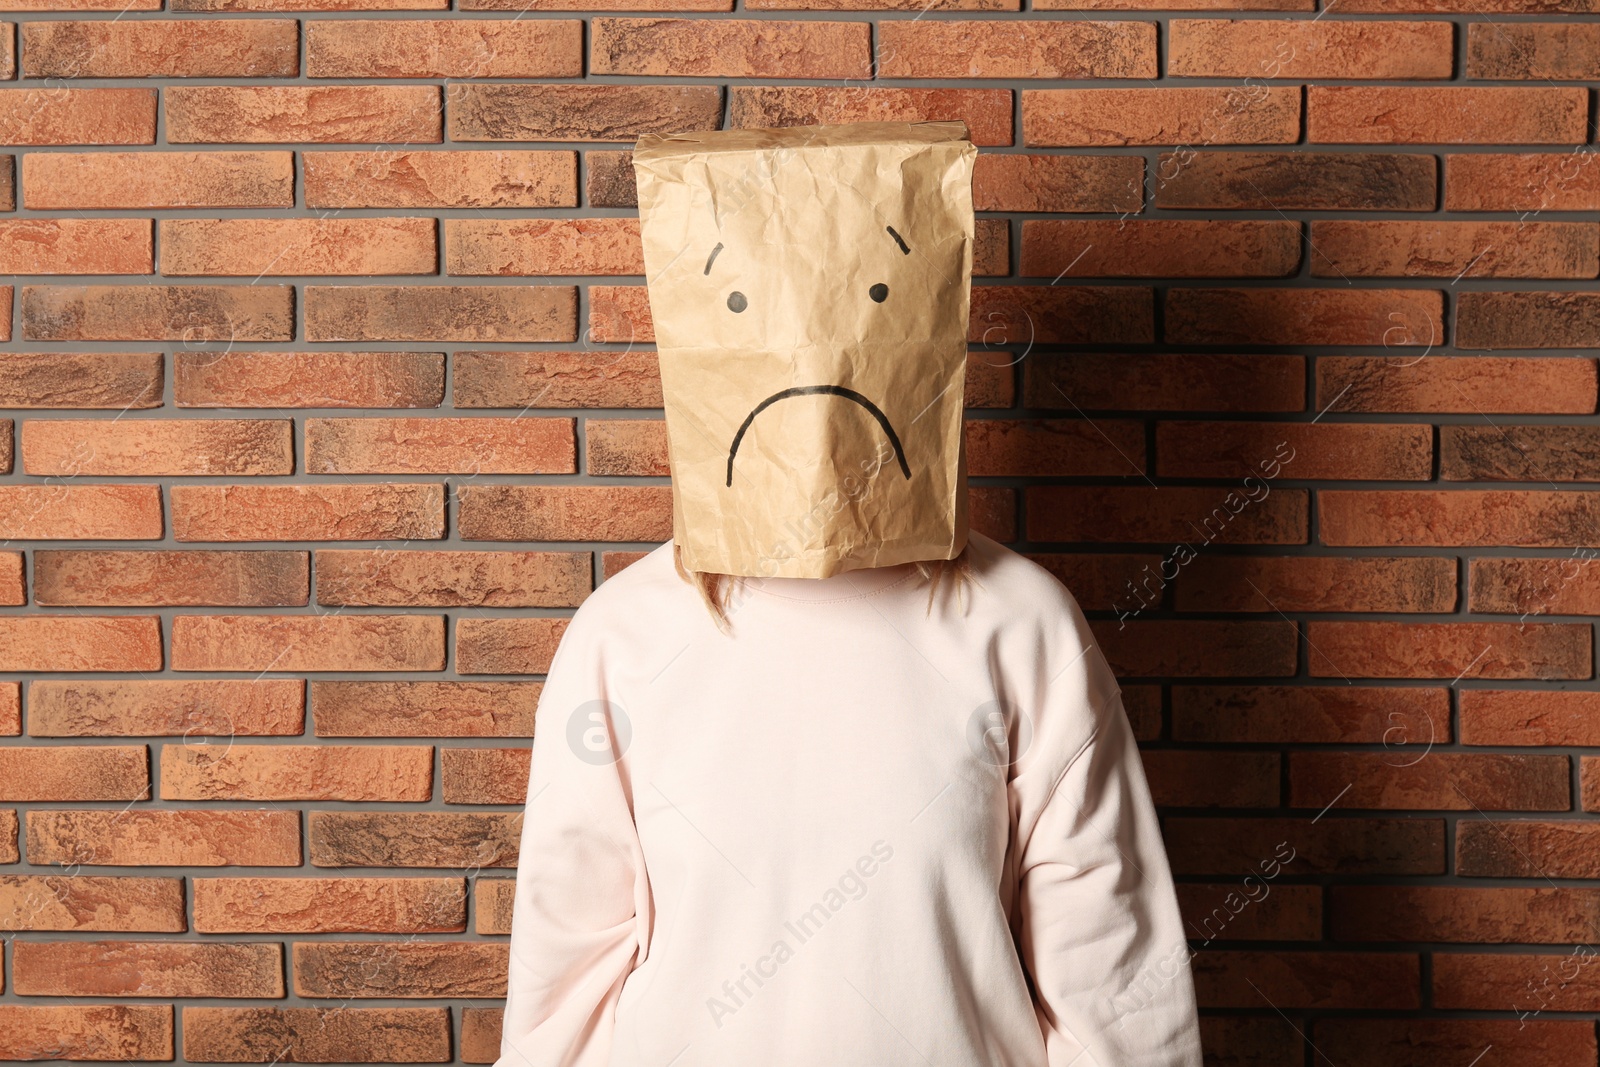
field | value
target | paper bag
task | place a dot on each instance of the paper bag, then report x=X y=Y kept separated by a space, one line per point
x=809 y=288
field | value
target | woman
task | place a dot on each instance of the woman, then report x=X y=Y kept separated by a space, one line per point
x=883 y=806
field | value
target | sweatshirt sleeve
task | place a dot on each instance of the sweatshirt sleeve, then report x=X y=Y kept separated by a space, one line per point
x=1099 y=930
x=580 y=888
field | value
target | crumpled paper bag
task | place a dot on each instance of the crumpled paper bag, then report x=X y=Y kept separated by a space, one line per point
x=810 y=288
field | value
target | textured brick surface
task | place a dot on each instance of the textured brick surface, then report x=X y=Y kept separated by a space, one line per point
x=329 y=392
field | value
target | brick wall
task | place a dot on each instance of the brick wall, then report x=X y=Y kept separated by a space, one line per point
x=331 y=393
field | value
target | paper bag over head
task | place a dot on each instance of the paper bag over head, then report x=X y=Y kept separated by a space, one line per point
x=809 y=288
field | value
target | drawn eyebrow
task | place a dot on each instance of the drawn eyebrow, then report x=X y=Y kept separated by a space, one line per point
x=714 y=252
x=901 y=241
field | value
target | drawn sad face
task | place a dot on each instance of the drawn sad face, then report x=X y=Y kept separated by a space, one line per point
x=878 y=292
x=810 y=318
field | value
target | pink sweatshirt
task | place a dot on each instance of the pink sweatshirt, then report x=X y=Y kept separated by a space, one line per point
x=851 y=834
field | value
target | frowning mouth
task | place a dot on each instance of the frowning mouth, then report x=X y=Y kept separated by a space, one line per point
x=810 y=390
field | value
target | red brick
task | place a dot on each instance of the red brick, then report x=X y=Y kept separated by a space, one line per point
x=309 y=379
x=444 y=48
x=1358 y=114
x=9 y=852
x=1164 y=382
x=1199 y=649
x=1251 y=911
x=1307 y=980
x=13 y=582
x=307 y=5
x=188 y=313
x=1560 y=718
x=987 y=112
x=1280 y=48
x=308 y=643
x=313 y=1035
x=86 y=1031
x=480 y=1034
x=1241 y=1040
x=1212 y=779
x=1019 y=181
x=161 y=48
x=318 y=114
x=1533 y=51
x=590 y=112
x=414 y=839
x=1542 y=915
x=424 y=709
x=345 y=969
x=472 y=446
x=489 y=178
x=1455 y=249
x=1518 y=518
x=257 y=247
x=80 y=643
x=635 y=447
x=940 y=48
x=1512 y=7
x=65 y=512
x=609 y=179
x=111 y=180
x=418 y=578
x=1521 y=983
x=409 y=511
x=76 y=246
x=493 y=906
x=1389 y=317
x=1406 y=721
x=1304 y=451
x=157 y=446
x=330 y=906
x=731 y=48
x=297 y=772
x=76 y=772
x=1589 y=768
x=147 y=969
x=1427 y=780
x=437 y=313
x=993 y=512
x=1523 y=848
x=1098 y=580
x=1074 y=447
x=1160 y=248
x=173 y=838
x=1296 y=181
x=1528 y=320
x=189 y=707
x=1061 y=314
x=1452 y=1042
x=556 y=379
x=149 y=579
x=1460 y=384
x=54 y=115
x=121 y=381
x=620 y=313
x=1174 y=5
x=1255 y=114
x=1190 y=515
x=1450 y=650
x=565 y=513
x=484 y=775
x=540 y=246
x=1519 y=453
x=1532 y=181
x=507 y=646
x=1317 y=583
x=1330 y=845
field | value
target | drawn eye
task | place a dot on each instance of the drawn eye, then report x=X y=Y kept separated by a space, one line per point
x=737 y=302
x=879 y=292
